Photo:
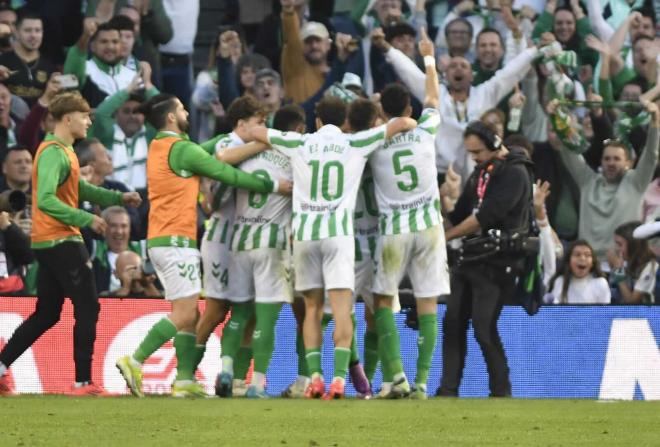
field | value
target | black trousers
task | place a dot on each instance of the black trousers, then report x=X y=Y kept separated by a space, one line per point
x=477 y=292
x=64 y=271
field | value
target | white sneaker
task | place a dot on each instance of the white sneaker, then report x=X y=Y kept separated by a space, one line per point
x=239 y=388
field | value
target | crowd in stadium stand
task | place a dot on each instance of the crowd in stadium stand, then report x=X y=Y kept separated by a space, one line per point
x=569 y=82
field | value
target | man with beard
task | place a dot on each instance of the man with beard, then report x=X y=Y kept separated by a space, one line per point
x=496 y=197
x=32 y=68
x=104 y=74
x=174 y=167
x=614 y=195
x=460 y=102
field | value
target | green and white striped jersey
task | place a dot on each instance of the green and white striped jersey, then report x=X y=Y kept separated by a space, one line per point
x=365 y=218
x=327 y=168
x=263 y=220
x=224 y=202
x=405 y=178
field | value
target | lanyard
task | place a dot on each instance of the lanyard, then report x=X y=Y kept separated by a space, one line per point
x=482 y=184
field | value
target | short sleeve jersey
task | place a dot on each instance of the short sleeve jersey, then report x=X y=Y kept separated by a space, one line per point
x=327 y=169
x=224 y=202
x=263 y=220
x=405 y=177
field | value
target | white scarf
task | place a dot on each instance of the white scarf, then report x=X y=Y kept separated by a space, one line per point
x=129 y=158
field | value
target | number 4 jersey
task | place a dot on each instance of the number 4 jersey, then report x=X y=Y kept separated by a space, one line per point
x=405 y=178
x=327 y=169
x=263 y=220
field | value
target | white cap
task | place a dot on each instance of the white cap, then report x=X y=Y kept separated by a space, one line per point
x=315 y=29
x=351 y=79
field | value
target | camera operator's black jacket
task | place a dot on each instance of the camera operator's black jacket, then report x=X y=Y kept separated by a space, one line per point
x=506 y=205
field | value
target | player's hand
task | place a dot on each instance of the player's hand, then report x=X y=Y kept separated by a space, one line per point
x=131 y=199
x=425 y=44
x=98 y=225
x=635 y=18
x=546 y=39
x=285 y=187
x=378 y=40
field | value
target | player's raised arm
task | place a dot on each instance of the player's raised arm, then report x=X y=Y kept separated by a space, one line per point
x=432 y=87
x=399 y=125
x=238 y=154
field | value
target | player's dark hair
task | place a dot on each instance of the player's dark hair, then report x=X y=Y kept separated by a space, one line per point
x=243 y=108
x=331 y=110
x=155 y=110
x=288 y=118
x=521 y=142
x=362 y=114
x=394 y=99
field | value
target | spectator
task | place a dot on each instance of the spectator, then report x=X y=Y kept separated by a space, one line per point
x=458 y=34
x=17 y=170
x=116 y=240
x=614 y=195
x=152 y=25
x=304 y=54
x=579 y=280
x=7 y=28
x=120 y=127
x=205 y=98
x=38 y=121
x=570 y=26
x=634 y=267
x=459 y=101
x=176 y=54
x=269 y=92
x=32 y=69
x=134 y=281
x=402 y=37
x=236 y=70
x=91 y=152
x=104 y=74
x=8 y=126
x=127 y=34
x=490 y=52
x=15 y=255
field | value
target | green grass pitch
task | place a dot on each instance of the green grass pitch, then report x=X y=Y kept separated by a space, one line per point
x=164 y=421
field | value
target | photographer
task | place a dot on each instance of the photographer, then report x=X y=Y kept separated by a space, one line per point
x=135 y=281
x=497 y=196
x=15 y=253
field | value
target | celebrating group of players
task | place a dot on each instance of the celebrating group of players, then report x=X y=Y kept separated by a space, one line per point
x=364 y=212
